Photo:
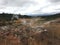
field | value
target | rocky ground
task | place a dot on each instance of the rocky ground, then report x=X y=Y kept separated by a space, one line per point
x=34 y=31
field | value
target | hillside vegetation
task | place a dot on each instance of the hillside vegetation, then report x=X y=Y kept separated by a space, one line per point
x=30 y=31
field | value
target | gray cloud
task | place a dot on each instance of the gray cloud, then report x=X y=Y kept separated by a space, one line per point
x=15 y=2
x=16 y=6
x=54 y=1
x=29 y=6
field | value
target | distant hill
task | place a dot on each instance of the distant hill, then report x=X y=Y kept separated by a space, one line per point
x=51 y=17
x=17 y=16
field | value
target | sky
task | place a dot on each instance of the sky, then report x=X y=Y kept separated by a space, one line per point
x=28 y=7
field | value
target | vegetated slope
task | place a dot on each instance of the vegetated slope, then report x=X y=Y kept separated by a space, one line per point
x=23 y=34
x=30 y=31
x=53 y=29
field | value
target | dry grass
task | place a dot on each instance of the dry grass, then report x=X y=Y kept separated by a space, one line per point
x=29 y=32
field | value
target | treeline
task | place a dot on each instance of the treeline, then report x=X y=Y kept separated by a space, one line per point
x=5 y=16
x=51 y=17
x=8 y=16
x=17 y=16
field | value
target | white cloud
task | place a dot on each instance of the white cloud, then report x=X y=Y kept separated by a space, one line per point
x=49 y=9
x=52 y=8
x=29 y=6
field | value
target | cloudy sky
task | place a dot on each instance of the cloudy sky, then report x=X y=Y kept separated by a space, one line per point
x=30 y=6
